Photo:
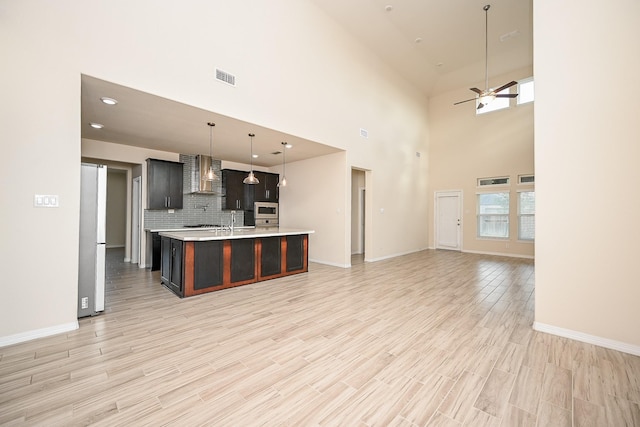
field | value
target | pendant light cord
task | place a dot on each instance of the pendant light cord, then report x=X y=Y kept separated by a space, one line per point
x=486 y=47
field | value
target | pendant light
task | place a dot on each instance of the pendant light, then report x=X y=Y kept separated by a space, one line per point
x=251 y=178
x=283 y=181
x=211 y=174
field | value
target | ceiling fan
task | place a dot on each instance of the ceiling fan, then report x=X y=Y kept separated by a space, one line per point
x=487 y=95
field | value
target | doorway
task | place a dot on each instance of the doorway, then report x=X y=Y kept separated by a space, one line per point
x=358 y=214
x=135 y=220
x=448 y=220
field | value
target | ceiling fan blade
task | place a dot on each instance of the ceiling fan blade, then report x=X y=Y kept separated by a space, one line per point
x=466 y=100
x=503 y=87
x=476 y=90
x=507 y=95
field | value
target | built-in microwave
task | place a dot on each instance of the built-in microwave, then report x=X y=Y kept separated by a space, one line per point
x=266 y=214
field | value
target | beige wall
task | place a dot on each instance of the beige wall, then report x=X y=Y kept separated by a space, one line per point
x=465 y=146
x=316 y=85
x=587 y=175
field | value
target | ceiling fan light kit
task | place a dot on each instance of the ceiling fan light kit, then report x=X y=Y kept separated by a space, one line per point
x=487 y=95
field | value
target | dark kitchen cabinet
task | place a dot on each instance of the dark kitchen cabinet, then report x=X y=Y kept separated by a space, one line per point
x=172 y=264
x=243 y=260
x=236 y=198
x=267 y=189
x=240 y=196
x=164 y=184
x=295 y=252
x=270 y=256
x=208 y=264
x=156 y=251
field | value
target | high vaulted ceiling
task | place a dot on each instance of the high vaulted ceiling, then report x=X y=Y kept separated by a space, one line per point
x=437 y=45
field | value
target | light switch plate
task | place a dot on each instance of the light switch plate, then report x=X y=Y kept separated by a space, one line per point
x=46 y=201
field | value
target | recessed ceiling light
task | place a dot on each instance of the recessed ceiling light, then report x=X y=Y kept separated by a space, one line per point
x=388 y=8
x=418 y=40
x=96 y=125
x=255 y=156
x=287 y=145
x=439 y=64
x=108 y=101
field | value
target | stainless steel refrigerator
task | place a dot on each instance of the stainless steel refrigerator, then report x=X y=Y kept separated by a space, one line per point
x=92 y=260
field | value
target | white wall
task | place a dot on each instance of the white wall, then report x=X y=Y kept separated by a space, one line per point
x=465 y=146
x=297 y=71
x=587 y=147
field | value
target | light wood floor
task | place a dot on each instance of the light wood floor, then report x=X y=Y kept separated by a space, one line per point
x=432 y=338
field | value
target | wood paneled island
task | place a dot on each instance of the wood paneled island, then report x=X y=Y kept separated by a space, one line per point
x=200 y=261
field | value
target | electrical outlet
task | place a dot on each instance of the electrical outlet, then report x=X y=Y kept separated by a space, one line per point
x=85 y=302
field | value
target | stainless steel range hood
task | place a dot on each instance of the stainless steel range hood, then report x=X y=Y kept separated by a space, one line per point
x=198 y=182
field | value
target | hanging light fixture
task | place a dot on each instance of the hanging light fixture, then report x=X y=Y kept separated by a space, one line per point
x=251 y=178
x=211 y=174
x=283 y=182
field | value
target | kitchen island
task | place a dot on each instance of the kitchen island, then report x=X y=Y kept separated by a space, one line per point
x=200 y=261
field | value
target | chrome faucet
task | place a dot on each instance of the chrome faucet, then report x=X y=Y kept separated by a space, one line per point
x=233 y=220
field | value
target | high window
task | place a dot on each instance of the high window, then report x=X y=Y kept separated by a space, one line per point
x=493 y=215
x=526 y=215
x=525 y=91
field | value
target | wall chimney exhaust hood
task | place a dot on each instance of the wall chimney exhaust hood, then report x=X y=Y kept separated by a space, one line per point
x=199 y=183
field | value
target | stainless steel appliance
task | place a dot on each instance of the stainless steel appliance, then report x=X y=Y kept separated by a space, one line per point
x=199 y=182
x=92 y=259
x=266 y=214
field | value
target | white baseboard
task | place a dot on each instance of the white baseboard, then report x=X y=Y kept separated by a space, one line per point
x=333 y=264
x=393 y=255
x=38 y=333
x=587 y=338
x=499 y=254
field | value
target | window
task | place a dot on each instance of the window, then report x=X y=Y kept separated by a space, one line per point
x=526 y=179
x=525 y=91
x=501 y=180
x=493 y=215
x=526 y=215
x=496 y=104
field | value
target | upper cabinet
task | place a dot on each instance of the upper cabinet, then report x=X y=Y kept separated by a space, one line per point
x=240 y=196
x=234 y=194
x=164 y=184
x=267 y=189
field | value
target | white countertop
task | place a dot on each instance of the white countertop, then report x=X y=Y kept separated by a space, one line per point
x=160 y=230
x=200 y=234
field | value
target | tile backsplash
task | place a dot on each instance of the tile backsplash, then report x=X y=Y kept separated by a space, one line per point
x=197 y=208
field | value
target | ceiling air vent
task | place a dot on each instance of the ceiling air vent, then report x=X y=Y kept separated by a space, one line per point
x=225 y=77
x=364 y=133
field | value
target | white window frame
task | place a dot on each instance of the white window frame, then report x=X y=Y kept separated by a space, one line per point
x=521 y=215
x=480 y=216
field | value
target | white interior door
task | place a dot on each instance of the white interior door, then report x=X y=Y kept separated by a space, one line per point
x=448 y=205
